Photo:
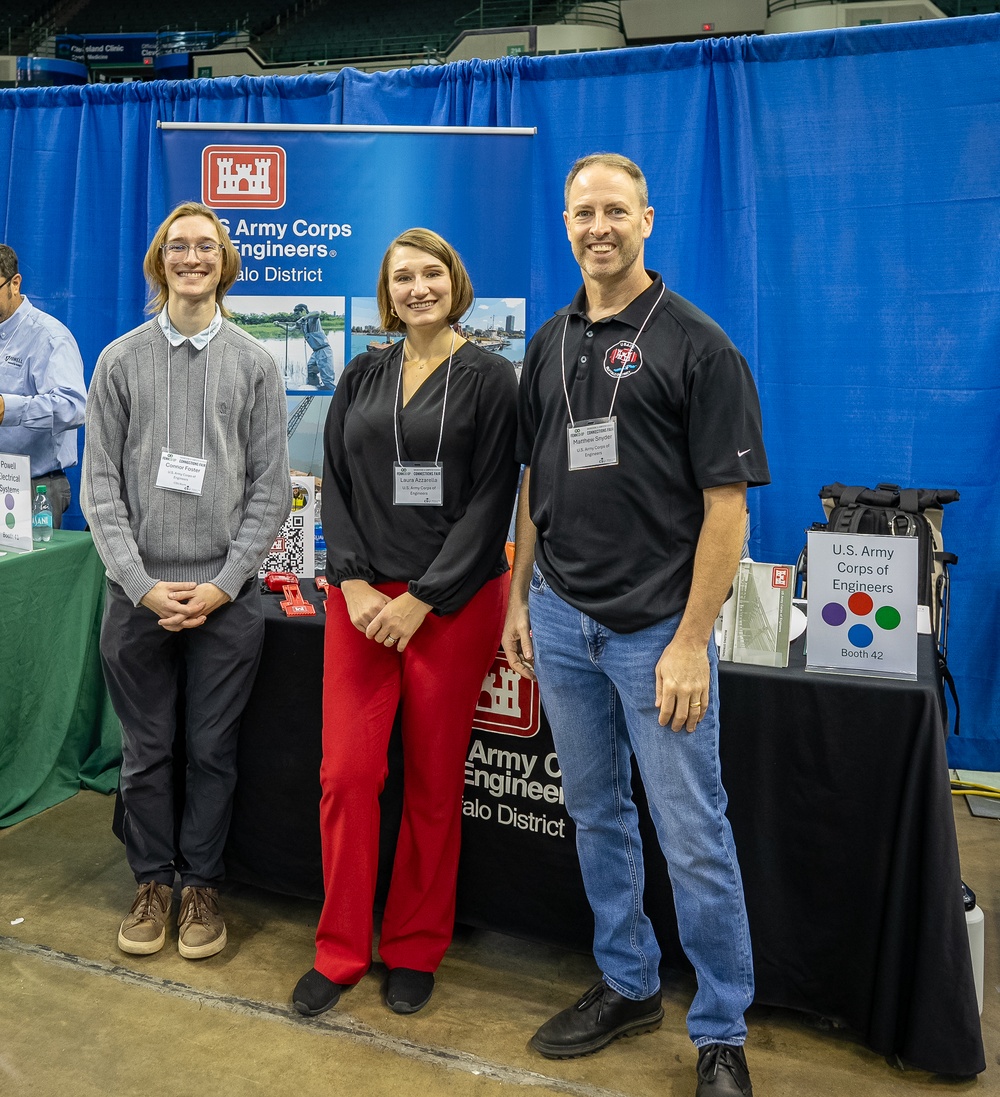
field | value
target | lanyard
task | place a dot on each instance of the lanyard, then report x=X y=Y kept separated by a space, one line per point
x=621 y=372
x=204 y=402
x=444 y=403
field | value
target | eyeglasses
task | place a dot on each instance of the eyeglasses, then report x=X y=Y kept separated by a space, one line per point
x=8 y=282
x=176 y=252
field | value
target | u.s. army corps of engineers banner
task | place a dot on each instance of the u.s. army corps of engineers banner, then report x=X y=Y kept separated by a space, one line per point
x=311 y=210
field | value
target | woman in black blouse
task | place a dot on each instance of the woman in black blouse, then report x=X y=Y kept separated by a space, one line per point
x=418 y=488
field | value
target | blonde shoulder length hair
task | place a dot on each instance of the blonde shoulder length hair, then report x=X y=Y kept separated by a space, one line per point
x=155 y=272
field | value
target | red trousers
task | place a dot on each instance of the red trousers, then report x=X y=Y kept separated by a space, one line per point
x=436 y=681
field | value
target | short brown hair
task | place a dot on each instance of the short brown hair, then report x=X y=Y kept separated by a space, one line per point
x=610 y=160
x=8 y=262
x=154 y=270
x=462 y=294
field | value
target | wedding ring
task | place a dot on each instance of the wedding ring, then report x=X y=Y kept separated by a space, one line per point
x=390 y=639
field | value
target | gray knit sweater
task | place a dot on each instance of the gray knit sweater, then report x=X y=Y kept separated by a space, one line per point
x=144 y=533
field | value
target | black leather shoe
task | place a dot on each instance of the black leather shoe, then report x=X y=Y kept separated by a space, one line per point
x=600 y=1016
x=315 y=994
x=722 y=1072
x=407 y=990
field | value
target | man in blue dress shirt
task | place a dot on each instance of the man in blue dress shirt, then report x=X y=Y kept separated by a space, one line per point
x=42 y=391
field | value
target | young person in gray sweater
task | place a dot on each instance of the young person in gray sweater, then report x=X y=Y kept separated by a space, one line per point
x=185 y=485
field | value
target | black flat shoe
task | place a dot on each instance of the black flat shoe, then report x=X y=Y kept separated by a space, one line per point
x=407 y=990
x=315 y=994
x=600 y=1016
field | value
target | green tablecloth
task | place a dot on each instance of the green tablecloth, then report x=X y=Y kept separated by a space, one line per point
x=58 y=732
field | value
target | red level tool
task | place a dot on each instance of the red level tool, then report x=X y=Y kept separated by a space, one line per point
x=294 y=604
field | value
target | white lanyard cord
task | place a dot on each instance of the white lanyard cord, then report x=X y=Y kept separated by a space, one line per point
x=204 y=402
x=444 y=403
x=621 y=373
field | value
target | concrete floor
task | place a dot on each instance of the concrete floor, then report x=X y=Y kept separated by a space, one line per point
x=79 y=1017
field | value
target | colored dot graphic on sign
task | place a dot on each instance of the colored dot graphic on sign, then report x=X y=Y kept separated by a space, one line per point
x=860 y=605
x=9 y=501
x=834 y=613
x=10 y=520
x=860 y=636
x=887 y=617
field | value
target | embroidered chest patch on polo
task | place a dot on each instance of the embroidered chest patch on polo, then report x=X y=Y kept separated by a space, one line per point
x=622 y=359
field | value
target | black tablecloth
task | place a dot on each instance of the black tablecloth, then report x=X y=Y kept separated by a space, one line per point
x=839 y=801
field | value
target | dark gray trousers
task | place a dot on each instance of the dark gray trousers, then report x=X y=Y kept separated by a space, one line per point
x=199 y=678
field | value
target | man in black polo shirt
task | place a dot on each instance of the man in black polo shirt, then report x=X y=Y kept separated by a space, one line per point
x=640 y=430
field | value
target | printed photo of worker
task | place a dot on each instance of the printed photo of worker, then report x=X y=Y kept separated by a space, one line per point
x=306 y=337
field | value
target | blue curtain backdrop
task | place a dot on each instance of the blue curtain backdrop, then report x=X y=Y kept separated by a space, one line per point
x=832 y=198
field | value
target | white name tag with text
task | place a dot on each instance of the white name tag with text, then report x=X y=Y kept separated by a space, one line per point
x=418 y=484
x=593 y=444
x=180 y=473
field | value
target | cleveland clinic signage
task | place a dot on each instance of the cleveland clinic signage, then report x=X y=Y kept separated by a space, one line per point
x=107 y=49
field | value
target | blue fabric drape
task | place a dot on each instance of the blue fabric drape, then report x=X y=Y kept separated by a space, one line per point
x=832 y=198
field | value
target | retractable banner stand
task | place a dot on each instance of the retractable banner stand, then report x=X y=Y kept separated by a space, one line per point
x=311 y=210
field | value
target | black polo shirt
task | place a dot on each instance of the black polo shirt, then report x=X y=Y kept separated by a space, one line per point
x=618 y=542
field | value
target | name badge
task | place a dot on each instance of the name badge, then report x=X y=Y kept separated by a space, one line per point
x=180 y=473
x=593 y=443
x=418 y=484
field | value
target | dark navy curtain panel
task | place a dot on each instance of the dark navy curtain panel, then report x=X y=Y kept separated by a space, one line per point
x=832 y=198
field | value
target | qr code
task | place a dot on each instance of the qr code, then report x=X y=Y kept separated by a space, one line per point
x=288 y=551
x=294 y=547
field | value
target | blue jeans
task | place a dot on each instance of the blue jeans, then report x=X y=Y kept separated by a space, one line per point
x=598 y=690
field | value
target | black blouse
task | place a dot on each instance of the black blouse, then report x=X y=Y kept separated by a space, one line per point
x=446 y=553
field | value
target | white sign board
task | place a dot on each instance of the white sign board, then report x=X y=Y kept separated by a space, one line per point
x=15 y=503
x=862 y=604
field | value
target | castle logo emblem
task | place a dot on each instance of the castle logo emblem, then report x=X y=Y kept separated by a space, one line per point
x=243 y=176
x=508 y=703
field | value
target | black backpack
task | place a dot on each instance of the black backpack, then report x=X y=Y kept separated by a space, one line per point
x=902 y=512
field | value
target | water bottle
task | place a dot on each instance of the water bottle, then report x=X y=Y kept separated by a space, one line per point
x=320 y=550
x=41 y=515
